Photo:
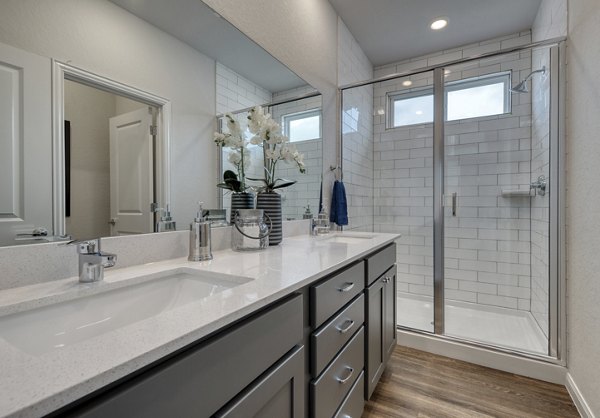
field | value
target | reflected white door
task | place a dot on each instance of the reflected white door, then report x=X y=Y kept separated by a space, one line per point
x=131 y=173
x=25 y=144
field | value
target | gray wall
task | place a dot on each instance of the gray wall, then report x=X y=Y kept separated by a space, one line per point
x=583 y=199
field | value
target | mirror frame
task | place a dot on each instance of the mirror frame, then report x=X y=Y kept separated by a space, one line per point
x=62 y=71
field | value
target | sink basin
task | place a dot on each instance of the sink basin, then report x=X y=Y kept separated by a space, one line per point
x=350 y=239
x=56 y=326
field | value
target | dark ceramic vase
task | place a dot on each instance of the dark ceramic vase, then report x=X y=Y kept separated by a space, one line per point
x=270 y=202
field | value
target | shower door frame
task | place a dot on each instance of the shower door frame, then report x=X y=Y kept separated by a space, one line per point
x=557 y=260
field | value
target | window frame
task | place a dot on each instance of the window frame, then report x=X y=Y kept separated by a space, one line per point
x=304 y=114
x=505 y=77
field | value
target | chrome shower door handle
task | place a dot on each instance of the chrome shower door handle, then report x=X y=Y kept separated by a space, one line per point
x=454 y=198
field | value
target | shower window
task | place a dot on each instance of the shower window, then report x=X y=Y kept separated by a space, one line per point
x=478 y=97
x=468 y=98
x=302 y=126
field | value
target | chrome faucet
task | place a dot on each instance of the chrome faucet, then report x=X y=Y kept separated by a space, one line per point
x=92 y=261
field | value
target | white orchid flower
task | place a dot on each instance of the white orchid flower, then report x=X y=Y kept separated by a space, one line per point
x=219 y=138
x=234 y=157
x=272 y=154
x=256 y=140
x=234 y=126
x=288 y=152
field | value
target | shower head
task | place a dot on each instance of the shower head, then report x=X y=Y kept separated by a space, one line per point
x=522 y=86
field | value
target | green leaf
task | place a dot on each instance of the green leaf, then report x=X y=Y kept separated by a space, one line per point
x=224 y=186
x=235 y=185
x=229 y=175
x=255 y=179
x=282 y=185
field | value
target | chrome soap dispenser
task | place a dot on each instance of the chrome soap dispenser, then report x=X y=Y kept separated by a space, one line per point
x=200 y=240
x=166 y=222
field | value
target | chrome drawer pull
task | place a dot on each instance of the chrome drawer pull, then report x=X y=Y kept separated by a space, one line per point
x=350 y=373
x=347 y=287
x=346 y=329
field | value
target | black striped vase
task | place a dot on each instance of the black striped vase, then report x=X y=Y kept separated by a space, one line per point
x=243 y=200
x=271 y=204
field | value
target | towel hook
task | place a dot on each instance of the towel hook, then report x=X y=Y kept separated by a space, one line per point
x=335 y=169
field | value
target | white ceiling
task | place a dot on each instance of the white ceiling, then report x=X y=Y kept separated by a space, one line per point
x=394 y=30
x=193 y=22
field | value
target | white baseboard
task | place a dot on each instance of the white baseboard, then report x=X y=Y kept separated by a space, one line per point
x=578 y=399
x=536 y=369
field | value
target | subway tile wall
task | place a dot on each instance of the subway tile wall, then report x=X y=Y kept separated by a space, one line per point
x=235 y=92
x=357 y=132
x=487 y=243
x=305 y=192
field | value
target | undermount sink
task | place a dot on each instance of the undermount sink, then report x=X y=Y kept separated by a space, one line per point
x=56 y=326
x=350 y=239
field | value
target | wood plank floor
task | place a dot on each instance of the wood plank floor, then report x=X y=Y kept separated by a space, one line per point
x=419 y=384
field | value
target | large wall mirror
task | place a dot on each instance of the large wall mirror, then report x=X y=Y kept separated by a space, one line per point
x=108 y=110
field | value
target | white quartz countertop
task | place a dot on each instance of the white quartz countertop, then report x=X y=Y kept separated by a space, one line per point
x=34 y=384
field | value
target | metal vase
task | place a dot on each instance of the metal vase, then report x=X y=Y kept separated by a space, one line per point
x=242 y=200
x=270 y=202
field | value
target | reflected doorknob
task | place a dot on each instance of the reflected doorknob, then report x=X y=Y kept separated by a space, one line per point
x=113 y=221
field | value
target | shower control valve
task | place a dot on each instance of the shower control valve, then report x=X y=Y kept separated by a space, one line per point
x=540 y=185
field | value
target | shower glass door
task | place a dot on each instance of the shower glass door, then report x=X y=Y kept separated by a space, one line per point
x=491 y=242
x=403 y=178
x=466 y=167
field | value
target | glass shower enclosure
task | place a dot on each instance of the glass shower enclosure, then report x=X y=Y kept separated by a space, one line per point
x=464 y=161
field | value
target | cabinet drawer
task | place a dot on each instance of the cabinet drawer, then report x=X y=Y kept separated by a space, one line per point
x=199 y=381
x=331 y=388
x=380 y=262
x=327 y=341
x=354 y=404
x=331 y=295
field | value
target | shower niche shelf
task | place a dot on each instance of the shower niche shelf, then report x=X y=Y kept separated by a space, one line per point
x=517 y=193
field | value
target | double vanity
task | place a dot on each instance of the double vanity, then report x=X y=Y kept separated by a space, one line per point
x=301 y=329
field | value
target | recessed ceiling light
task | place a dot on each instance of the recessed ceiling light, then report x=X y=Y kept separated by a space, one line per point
x=407 y=83
x=439 y=23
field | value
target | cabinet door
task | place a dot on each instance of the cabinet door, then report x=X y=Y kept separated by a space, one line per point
x=389 y=317
x=375 y=328
x=278 y=393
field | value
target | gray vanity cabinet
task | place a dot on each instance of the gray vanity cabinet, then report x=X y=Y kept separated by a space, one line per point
x=318 y=353
x=380 y=316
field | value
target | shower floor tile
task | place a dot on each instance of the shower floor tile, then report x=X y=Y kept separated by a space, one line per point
x=508 y=328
